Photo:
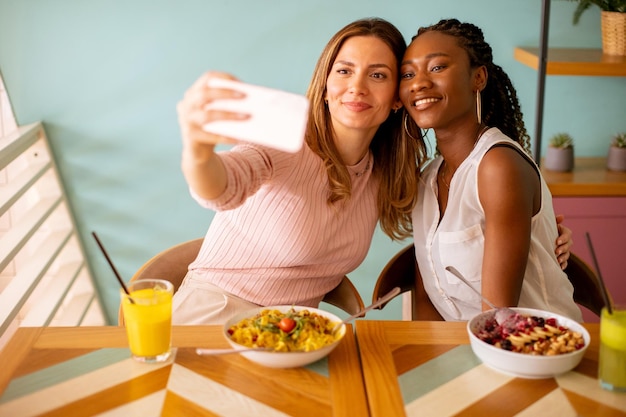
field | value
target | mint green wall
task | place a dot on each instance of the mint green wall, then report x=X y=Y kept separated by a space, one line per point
x=105 y=76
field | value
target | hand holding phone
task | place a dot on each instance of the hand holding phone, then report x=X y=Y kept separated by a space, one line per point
x=277 y=118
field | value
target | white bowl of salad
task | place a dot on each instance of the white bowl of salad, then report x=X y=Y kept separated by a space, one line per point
x=530 y=344
x=286 y=336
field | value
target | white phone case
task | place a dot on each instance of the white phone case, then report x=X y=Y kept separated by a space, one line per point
x=278 y=118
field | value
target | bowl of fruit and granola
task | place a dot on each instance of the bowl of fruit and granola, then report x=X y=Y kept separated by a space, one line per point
x=528 y=343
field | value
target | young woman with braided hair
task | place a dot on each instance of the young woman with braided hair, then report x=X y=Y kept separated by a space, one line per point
x=483 y=206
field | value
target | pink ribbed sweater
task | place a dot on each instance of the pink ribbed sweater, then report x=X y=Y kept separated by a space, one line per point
x=274 y=239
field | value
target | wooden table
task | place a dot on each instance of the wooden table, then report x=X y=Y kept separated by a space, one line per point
x=428 y=369
x=85 y=371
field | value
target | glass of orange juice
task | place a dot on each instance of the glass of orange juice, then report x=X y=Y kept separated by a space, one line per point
x=148 y=319
x=612 y=367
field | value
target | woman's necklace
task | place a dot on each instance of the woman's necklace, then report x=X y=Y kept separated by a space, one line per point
x=367 y=167
x=443 y=172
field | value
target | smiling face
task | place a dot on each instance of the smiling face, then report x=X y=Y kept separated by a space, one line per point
x=361 y=86
x=437 y=85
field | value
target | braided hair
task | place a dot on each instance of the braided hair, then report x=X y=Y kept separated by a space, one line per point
x=500 y=106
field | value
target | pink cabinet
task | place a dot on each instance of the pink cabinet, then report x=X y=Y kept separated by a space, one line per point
x=605 y=220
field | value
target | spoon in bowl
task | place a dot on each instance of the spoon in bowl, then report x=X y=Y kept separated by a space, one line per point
x=502 y=313
x=382 y=300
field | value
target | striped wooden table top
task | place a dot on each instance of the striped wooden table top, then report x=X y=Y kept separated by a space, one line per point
x=87 y=371
x=428 y=369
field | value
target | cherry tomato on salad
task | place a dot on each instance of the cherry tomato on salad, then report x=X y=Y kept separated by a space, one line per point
x=286 y=324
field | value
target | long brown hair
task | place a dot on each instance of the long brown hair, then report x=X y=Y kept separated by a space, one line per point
x=397 y=156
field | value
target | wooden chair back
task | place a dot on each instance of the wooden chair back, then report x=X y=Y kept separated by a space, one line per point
x=172 y=264
x=402 y=271
x=587 y=291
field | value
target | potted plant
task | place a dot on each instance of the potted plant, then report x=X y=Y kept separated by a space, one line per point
x=616 y=159
x=613 y=23
x=560 y=154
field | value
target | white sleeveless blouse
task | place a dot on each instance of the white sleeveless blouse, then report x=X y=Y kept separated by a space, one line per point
x=459 y=241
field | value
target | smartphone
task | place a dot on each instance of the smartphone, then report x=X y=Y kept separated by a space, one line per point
x=277 y=118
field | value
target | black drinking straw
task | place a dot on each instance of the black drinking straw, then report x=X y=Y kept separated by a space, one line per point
x=117 y=275
x=605 y=292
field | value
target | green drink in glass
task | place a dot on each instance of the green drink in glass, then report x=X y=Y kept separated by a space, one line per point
x=612 y=368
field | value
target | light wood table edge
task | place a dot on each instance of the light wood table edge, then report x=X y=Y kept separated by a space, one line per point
x=448 y=332
x=15 y=351
x=377 y=364
x=343 y=363
x=115 y=336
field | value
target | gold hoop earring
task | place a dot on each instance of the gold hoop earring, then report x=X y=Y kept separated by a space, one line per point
x=406 y=126
x=479 y=107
